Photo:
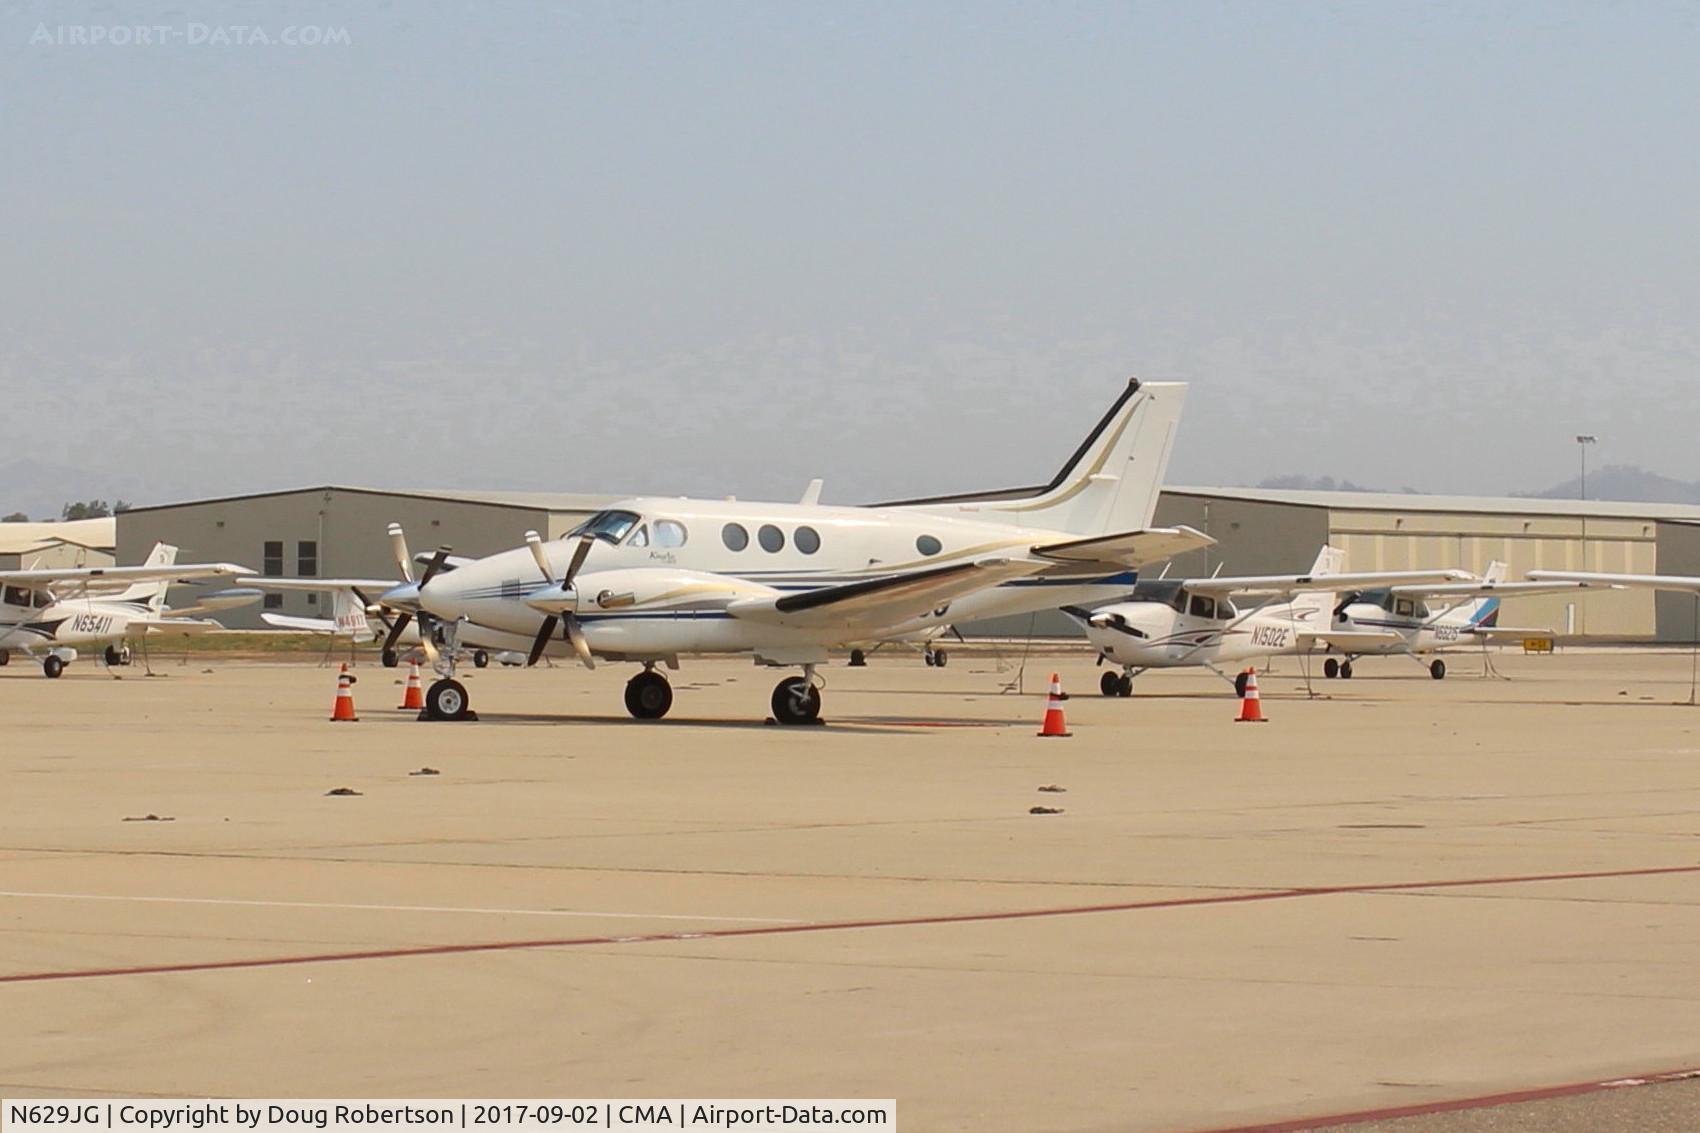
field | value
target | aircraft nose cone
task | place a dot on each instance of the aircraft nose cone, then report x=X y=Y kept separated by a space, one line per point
x=403 y=597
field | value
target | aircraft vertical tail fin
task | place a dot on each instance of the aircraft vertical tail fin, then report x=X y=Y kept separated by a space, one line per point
x=152 y=593
x=1329 y=560
x=1111 y=482
x=349 y=613
x=1484 y=611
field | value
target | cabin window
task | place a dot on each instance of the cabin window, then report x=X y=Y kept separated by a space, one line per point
x=1225 y=609
x=271 y=564
x=1178 y=602
x=806 y=540
x=928 y=545
x=1405 y=608
x=17 y=596
x=1203 y=607
x=670 y=533
x=771 y=538
x=734 y=536
x=610 y=526
x=307 y=558
x=640 y=537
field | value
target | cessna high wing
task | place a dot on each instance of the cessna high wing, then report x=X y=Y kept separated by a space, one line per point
x=357 y=616
x=650 y=579
x=1199 y=622
x=45 y=614
x=1400 y=620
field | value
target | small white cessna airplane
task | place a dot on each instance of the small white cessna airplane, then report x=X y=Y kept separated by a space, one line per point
x=356 y=616
x=45 y=614
x=1398 y=620
x=1182 y=623
x=649 y=579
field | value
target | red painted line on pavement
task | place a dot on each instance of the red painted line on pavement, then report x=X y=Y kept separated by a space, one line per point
x=825 y=926
x=1486 y=1101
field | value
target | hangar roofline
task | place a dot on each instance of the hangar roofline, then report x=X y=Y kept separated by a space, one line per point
x=1416 y=501
x=534 y=501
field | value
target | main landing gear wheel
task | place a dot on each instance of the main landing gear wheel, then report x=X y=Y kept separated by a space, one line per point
x=796 y=701
x=390 y=658
x=116 y=656
x=648 y=695
x=447 y=700
x=1345 y=670
x=1110 y=684
x=51 y=667
x=1124 y=687
x=5 y=657
x=1331 y=668
x=1240 y=682
x=1437 y=669
x=941 y=658
x=480 y=659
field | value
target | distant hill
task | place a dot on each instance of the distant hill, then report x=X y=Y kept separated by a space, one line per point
x=1299 y=482
x=1623 y=482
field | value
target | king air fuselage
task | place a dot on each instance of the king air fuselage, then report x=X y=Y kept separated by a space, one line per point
x=681 y=560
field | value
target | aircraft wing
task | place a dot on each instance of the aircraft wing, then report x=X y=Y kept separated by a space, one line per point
x=1484 y=589
x=1688 y=584
x=878 y=603
x=1276 y=585
x=105 y=578
x=370 y=585
x=305 y=625
x=1127 y=548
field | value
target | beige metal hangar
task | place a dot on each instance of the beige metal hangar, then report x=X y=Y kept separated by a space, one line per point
x=334 y=530
x=1266 y=531
x=68 y=543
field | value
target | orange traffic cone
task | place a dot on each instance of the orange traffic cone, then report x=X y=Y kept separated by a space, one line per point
x=1054 y=725
x=414 y=697
x=344 y=707
x=1251 y=704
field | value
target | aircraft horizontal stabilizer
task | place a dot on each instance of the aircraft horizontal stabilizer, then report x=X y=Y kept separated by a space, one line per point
x=881 y=602
x=304 y=625
x=1347 y=638
x=1127 y=548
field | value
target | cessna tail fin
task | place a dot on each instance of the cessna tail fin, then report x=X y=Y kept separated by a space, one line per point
x=153 y=593
x=1329 y=560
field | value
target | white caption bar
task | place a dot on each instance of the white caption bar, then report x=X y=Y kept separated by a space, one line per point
x=606 y=1115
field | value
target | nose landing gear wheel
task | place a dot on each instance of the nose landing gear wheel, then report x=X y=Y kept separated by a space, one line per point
x=447 y=700
x=1110 y=684
x=796 y=701
x=1331 y=668
x=1437 y=670
x=648 y=695
x=51 y=667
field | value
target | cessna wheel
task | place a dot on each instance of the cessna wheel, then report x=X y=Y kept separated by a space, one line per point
x=1110 y=684
x=648 y=695
x=5 y=657
x=1124 y=687
x=1437 y=669
x=447 y=700
x=1331 y=668
x=796 y=701
x=51 y=667
x=941 y=658
x=927 y=656
x=480 y=659
x=116 y=656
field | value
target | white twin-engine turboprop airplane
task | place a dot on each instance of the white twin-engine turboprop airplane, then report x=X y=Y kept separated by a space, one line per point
x=45 y=614
x=1185 y=623
x=650 y=579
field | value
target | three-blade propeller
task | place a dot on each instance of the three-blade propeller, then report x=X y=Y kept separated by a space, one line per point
x=561 y=592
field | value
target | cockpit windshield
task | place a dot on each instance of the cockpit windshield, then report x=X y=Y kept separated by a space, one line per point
x=610 y=526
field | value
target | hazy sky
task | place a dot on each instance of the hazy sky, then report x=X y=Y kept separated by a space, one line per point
x=714 y=247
